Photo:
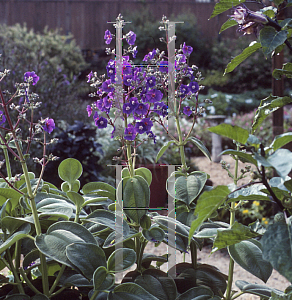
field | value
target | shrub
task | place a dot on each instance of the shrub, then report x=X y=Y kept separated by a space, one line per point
x=56 y=59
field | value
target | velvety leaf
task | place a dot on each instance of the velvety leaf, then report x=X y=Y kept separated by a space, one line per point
x=163 y=149
x=230 y=236
x=162 y=287
x=277 y=247
x=196 y=293
x=76 y=198
x=235 y=133
x=8 y=193
x=109 y=219
x=243 y=156
x=72 y=278
x=252 y=192
x=136 y=197
x=95 y=200
x=70 y=170
x=115 y=238
x=281 y=140
x=253 y=47
x=208 y=203
x=229 y=23
x=12 y=223
x=250 y=257
x=121 y=260
x=200 y=146
x=86 y=257
x=59 y=235
x=270 y=39
x=267 y=106
x=279 y=295
x=18 y=297
x=225 y=5
x=253 y=288
x=130 y=291
x=102 y=279
x=21 y=233
x=93 y=187
x=186 y=217
x=145 y=173
x=154 y=234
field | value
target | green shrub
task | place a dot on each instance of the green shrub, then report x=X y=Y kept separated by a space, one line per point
x=56 y=59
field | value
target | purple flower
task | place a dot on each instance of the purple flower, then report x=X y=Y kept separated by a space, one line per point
x=150 y=55
x=151 y=135
x=135 y=51
x=187 y=111
x=184 y=90
x=2 y=118
x=31 y=76
x=187 y=50
x=129 y=107
x=154 y=95
x=150 y=81
x=180 y=58
x=108 y=37
x=147 y=123
x=89 y=76
x=127 y=79
x=107 y=102
x=106 y=86
x=190 y=73
x=130 y=133
x=111 y=69
x=140 y=127
x=89 y=110
x=163 y=66
x=158 y=108
x=49 y=125
x=127 y=68
x=131 y=38
x=141 y=109
x=101 y=122
x=193 y=87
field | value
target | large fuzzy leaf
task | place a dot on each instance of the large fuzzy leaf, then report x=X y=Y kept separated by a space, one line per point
x=224 y=5
x=121 y=260
x=70 y=170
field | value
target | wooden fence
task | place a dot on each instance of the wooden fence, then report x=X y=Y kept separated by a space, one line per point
x=87 y=19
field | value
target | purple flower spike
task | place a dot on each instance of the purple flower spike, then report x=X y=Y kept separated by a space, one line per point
x=184 y=90
x=150 y=81
x=135 y=51
x=187 y=50
x=187 y=111
x=147 y=123
x=2 y=118
x=105 y=86
x=151 y=135
x=130 y=133
x=31 y=76
x=131 y=38
x=89 y=76
x=141 y=109
x=140 y=127
x=180 y=58
x=108 y=37
x=49 y=125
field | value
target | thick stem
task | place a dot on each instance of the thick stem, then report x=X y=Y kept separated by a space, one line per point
x=7 y=162
x=181 y=146
x=14 y=272
x=193 y=247
x=94 y=295
x=30 y=285
x=57 y=279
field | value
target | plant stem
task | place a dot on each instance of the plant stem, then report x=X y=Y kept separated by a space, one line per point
x=7 y=162
x=232 y=220
x=14 y=272
x=94 y=295
x=57 y=279
x=181 y=146
x=30 y=285
x=193 y=247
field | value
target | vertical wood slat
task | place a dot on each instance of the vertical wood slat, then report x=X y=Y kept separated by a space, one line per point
x=87 y=19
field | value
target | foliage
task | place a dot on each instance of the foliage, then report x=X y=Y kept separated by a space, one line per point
x=55 y=58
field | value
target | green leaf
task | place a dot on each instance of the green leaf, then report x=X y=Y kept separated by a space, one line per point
x=187 y=188
x=253 y=288
x=243 y=156
x=250 y=257
x=225 y=5
x=208 y=203
x=18 y=297
x=115 y=238
x=268 y=106
x=229 y=23
x=59 y=235
x=145 y=173
x=281 y=140
x=8 y=193
x=12 y=223
x=161 y=287
x=136 y=197
x=95 y=187
x=201 y=146
x=252 y=192
x=197 y=293
x=70 y=170
x=277 y=247
x=121 y=260
x=86 y=257
x=286 y=70
x=235 y=133
x=270 y=39
x=253 y=47
x=233 y=235
x=130 y=291
x=76 y=198
x=163 y=149
x=72 y=278
x=18 y=235
x=154 y=234
x=102 y=279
